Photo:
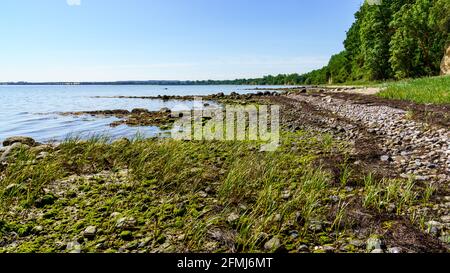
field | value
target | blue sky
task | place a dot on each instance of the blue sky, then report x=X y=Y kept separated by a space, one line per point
x=102 y=40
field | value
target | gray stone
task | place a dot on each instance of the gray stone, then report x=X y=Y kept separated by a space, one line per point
x=328 y=249
x=41 y=148
x=395 y=250
x=377 y=251
x=286 y=195
x=373 y=243
x=334 y=198
x=434 y=227
x=90 y=232
x=115 y=215
x=293 y=234
x=385 y=158
x=316 y=226
x=233 y=218
x=38 y=229
x=303 y=248
x=73 y=247
x=42 y=155
x=126 y=223
x=273 y=244
x=19 y=139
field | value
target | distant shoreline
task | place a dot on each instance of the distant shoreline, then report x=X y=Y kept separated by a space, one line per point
x=162 y=83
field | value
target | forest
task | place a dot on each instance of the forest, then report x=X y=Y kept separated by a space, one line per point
x=390 y=39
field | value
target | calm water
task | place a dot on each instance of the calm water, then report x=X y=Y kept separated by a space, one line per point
x=33 y=110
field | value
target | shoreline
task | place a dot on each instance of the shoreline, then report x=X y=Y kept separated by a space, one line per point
x=150 y=195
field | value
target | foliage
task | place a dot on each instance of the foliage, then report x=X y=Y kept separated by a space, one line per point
x=395 y=39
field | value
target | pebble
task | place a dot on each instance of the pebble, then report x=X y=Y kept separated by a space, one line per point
x=233 y=218
x=273 y=244
x=303 y=248
x=316 y=226
x=90 y=232
x=126 y=223
x=373 y=244
x=385 y=158
x=115 y=214
x=73 y=247
x=434 y=227
x=395 y=250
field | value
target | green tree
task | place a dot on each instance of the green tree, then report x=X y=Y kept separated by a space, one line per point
x=421 y=34
x=339 y=68
x=375 y=37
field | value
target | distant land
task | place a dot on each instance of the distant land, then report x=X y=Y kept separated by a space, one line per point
x=281 y=79
x=152 y=82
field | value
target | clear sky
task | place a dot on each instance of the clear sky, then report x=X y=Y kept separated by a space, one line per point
x=103 y=40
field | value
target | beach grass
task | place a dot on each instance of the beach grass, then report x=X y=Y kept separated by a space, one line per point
x=163 y=195
x=434 y=90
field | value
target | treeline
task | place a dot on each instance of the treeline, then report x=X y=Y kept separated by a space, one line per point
x=390 y=39
x=393 y=39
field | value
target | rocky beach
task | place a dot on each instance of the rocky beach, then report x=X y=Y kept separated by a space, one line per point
x=354 y=173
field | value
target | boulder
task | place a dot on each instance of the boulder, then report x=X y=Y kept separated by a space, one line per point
x=445 y=64
x=41 y=148
x=4 y=156
x=19 y=139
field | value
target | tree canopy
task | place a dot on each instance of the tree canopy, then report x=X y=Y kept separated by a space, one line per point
x=392 y=39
